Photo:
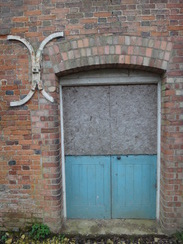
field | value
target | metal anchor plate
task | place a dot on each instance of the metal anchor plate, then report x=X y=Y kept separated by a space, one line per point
x=36 y=67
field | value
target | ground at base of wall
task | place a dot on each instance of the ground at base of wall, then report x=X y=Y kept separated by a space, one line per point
x=113 y=227
x=23 y=238
x=113 y=231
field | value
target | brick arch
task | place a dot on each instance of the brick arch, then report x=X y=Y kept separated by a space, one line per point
x=81 y=54
x=106 y=51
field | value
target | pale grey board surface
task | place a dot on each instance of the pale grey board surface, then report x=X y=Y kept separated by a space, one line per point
x=86 y=120
x=109 y=120
x=133 y=113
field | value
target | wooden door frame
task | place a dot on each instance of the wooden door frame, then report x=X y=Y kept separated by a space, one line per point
x=66 y=81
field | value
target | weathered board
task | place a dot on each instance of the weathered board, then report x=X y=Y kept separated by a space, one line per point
x=86 y=120
x=110 y=120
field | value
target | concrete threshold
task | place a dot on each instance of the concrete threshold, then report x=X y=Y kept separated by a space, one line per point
x=111 y=227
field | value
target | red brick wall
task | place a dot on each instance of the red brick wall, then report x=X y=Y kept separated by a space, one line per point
x=96 y=35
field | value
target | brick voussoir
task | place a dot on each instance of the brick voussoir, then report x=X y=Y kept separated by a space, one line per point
x=139 y=51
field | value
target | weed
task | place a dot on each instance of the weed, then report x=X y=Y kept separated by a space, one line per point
x=39 y=231
x=3 y=237
x=61 y=238
x=179 y=236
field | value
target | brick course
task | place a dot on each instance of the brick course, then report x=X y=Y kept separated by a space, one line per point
x=145 y=35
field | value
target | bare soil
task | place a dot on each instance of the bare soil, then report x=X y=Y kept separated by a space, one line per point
x=18 y=238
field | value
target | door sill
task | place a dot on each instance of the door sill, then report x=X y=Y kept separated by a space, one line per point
x=111 y=227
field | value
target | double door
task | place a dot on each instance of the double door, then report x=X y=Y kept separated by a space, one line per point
x=110 y=151
x=104 y=187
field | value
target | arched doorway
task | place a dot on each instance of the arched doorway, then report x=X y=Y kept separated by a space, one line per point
x=110 y=148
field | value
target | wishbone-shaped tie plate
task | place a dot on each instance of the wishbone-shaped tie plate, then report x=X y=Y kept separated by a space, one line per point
x=35 y=67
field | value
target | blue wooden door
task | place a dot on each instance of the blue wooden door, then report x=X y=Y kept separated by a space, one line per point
x=100 y=123
x=134 y=186
x=88 y=187
x=90 y=180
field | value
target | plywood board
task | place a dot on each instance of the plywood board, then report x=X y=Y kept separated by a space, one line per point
x=110 y=120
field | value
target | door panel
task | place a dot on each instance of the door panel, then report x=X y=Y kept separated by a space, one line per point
x=88 y=187
x=134 y=186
